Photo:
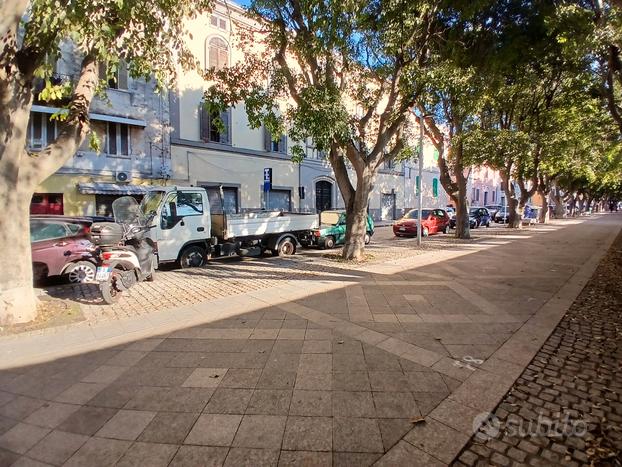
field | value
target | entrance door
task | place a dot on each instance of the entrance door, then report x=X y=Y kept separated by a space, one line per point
x=485 y=198
x=388 y=207
x=323 y=196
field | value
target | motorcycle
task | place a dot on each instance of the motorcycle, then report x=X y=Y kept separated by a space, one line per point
x=126 y=254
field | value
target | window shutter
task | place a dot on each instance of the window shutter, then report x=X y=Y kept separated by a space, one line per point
x=417 y=184
x=204 y=122
x=283 y=144
x=213 y=56
x=226 y=122
x=223 y=58
x=267 y=140
x=122 y=72
x=435 y=187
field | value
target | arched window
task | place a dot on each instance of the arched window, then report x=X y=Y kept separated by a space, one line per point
x=217 y=53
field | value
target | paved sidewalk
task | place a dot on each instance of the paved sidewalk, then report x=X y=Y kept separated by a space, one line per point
x=566 y=407
x=329 y=371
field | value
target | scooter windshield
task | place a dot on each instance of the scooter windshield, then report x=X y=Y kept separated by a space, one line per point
x=126 y=210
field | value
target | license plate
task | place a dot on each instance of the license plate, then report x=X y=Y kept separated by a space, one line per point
x=103 y=273
x=402 y=229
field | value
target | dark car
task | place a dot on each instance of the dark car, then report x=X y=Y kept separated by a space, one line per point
x=432 y=221
x=61 y=247
x=472 y=222
x=493 y=209
x=481 y=216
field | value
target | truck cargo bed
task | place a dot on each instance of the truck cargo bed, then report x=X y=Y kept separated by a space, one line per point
x=255 y=224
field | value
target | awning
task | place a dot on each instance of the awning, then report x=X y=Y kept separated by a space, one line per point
x=102 y=117
x=111 y=189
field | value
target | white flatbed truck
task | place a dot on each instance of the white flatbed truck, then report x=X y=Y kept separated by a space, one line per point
x=187 y=231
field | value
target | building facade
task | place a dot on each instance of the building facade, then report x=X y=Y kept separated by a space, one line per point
x=132 y=125
x=170 y=138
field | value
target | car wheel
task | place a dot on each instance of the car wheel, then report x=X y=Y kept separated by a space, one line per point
x=192 y=257
x=81 y=272
x=446 y=229
x=329 y=242
x=425 y=232
x=286 y=248
x=487 y=224
x=367 y=238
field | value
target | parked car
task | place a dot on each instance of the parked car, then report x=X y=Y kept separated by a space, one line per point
x=332 y=230
x=481 y=216
x=472 y=222
x=61 y=247
x=493 y=209
x=432 y=221
x=502 y=215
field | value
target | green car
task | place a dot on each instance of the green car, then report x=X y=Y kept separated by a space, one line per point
x=332 y=229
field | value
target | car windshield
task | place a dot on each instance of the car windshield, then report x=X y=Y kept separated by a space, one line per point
x=413 y=214
x=150 y=202
x=473 y=211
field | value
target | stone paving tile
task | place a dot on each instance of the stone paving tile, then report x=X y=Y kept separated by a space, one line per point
x=169 y=427
x=57 y=447
x=148 y=454
x=260 y=431
x=308 y=434
x=87 y=420
x=214 y=430
x=205 y=456
x=243 y=457
x=51 y=414
x=356 y=435
x=98 y=452
x=22 y=437
x=126 y=424
x=269 y=402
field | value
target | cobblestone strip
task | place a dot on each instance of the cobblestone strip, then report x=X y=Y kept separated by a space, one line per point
x=566 y=407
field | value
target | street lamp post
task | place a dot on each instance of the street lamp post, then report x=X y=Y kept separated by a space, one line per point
x=420 y=181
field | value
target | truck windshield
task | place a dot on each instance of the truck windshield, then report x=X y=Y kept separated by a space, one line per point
x=150 y=202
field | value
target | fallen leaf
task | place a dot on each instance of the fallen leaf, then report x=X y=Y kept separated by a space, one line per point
x=417 y=420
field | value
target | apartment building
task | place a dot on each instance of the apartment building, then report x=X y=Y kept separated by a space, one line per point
x=234 y=160
x=132 y=124
x=150 y=139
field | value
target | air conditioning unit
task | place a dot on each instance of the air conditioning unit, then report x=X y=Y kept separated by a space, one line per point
x=122 y=177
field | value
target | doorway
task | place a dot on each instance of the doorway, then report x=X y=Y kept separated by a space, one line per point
x=323 y=195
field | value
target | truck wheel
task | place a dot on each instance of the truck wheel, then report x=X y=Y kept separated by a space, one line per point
x=367 y=238
x=329 y=242
x=192 y=257
x=286 y=248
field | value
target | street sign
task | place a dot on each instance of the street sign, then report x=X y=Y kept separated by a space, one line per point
x=267 y=179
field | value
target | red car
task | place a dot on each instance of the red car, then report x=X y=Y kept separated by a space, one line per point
x=60 y=246
x=433 y=221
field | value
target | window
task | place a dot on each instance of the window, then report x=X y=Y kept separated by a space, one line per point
x=210 y=131
x=494 y=196
x=41 y=131
x=217 y=53
x=389 y=164
x=275 y=146
x=218 y=22
x=178 y=205
x=118 y=80
x=40 y=231
x=47 y=203
x=314 y=152
x=117 y=139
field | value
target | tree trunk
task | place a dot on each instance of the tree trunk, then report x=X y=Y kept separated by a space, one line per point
x=21 y=172
x=17 y=298
x=463 y=229
x=560 y=206
x=356 y=217
x=543 y=215
x=514 y=216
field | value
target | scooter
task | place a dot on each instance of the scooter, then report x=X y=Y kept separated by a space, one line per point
x=126 y=254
